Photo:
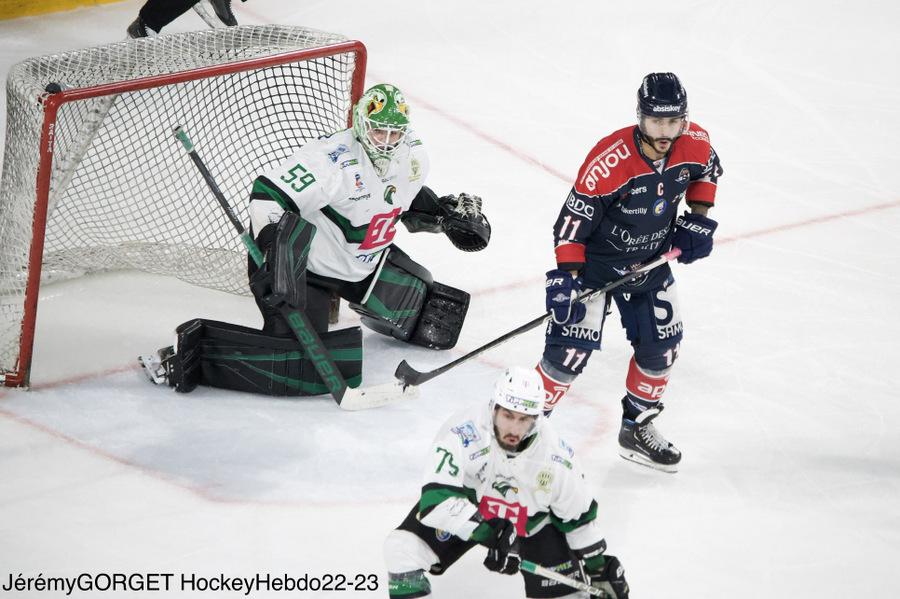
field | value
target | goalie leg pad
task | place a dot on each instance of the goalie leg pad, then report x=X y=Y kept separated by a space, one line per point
x=395 y=299
x=442 y=317
x=394 y=303
x=230 y=356
x=405 y=303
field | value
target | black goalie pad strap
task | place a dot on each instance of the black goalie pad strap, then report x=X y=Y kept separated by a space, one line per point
x=230 y=356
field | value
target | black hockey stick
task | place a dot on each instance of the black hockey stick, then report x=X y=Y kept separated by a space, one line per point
x=543 y=572
x=410 y=376
x=346 y=397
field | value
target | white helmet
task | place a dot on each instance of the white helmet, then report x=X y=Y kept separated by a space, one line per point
x=520 y=390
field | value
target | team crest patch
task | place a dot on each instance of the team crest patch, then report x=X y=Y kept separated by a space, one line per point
x=341 y=149
x=415 y=170
x=659 y=206
x=544 y=478
x=389 y=192
x=467 y=433
x=683 y=175
x=504 y=486
x=442 y=535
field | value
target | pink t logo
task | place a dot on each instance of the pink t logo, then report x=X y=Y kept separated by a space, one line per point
x=381 y=230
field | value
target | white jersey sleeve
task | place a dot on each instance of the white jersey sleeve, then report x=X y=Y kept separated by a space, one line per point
x=303 y=183
x=446 y=502
x=573 y=509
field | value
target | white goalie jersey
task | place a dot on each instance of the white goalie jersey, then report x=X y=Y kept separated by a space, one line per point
x=469 y=472
x=332 y=183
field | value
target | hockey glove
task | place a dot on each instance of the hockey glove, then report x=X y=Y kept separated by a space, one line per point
x=503 y=547
x=562 y=297
x=607 y=574
x=464 y=223
x=693 y=236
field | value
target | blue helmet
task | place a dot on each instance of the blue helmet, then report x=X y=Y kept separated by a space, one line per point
x=661 y=95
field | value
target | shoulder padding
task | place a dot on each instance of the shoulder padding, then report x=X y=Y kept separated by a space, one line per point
x=610 y=164
x=693 y=147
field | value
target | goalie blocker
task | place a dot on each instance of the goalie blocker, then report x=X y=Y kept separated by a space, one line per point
x=401 y=300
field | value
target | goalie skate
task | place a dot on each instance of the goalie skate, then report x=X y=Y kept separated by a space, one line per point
x=156 y=365
x=640 y=442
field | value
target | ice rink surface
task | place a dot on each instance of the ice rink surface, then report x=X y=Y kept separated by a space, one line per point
x=782 y=400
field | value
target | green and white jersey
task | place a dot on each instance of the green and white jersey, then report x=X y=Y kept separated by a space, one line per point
x=469 y=472
x=332 y=183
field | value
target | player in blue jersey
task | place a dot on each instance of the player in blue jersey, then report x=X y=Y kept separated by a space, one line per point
x=623 y=210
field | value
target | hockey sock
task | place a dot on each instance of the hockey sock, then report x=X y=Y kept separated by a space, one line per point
x=556 y=384
x=643 y=388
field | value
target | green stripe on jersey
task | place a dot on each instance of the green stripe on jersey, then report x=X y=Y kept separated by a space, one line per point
x=351 y=233
x=570 y=525
x=263 y=188
x=434 y=494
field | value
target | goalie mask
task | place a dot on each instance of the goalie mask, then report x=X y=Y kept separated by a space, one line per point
x=662 y=110
x=516 y=406
x=380 y=121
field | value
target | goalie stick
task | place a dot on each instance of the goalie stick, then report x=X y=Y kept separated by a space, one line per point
x=409 y=376
x=539 y=570
x=348 y=398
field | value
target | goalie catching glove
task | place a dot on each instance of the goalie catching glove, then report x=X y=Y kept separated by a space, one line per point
x=458 y=217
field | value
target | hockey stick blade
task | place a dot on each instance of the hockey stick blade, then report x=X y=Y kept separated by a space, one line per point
x=365 y=398
x=408 y=375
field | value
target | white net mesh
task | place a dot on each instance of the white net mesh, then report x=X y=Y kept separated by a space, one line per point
x=123 y=193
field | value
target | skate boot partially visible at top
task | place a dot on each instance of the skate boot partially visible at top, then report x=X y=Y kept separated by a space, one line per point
x=641 y=442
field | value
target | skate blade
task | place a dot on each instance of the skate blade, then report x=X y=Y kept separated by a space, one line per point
x=639 y=458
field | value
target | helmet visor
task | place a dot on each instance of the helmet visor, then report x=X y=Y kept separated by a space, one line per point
x=383 y=138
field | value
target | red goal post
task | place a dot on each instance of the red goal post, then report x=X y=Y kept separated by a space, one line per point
x=93 y=182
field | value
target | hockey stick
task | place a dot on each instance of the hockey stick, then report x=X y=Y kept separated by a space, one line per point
x=346 y=397
x=539 y=570
x=410 y=376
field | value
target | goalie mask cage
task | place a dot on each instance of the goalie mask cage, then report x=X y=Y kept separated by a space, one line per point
x=94 y=181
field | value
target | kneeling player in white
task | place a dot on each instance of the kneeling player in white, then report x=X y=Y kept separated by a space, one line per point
x=500 y=476
x=325 y=218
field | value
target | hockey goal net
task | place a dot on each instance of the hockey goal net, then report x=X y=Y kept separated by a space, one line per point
x=94 y=181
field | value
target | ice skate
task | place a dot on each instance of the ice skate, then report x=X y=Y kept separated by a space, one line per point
x=640 y=442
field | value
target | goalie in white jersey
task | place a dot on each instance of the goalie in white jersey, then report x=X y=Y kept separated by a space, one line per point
x=327 y=215
x=498 y=475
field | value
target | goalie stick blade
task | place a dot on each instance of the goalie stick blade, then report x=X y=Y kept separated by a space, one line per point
x=365 y=398
x=409 y=376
